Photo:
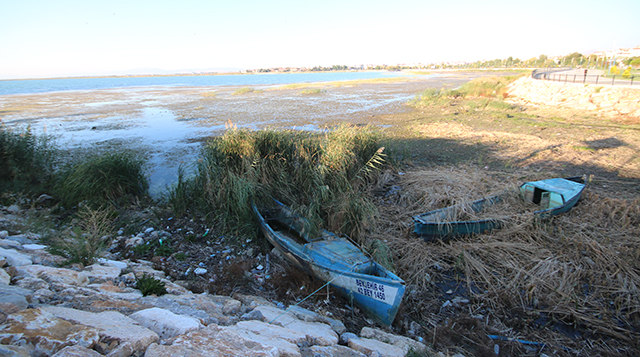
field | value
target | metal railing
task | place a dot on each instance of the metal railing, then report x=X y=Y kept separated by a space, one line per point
x=585 y=78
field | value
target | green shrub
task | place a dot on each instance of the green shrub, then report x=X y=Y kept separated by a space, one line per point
x=627 y=73
x=102 y=178
x=26 y=161
x=148 y=285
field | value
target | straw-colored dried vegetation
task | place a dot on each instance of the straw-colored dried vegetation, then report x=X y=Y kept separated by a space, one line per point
x=575 y=275
x=565 y=286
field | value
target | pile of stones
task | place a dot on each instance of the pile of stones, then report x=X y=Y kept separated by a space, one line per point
x=50 y=310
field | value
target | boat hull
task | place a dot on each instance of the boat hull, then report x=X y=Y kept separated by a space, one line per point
x=363 y=282
x=433 y=225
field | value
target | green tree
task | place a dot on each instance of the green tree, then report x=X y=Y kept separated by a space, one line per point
x=635 y=63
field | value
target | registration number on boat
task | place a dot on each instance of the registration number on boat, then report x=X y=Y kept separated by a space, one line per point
x=370 y=289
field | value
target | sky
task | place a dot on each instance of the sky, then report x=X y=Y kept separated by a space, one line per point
x=43 y=38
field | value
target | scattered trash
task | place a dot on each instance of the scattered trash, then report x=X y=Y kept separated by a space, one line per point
x=200 y=271
x=524 y=342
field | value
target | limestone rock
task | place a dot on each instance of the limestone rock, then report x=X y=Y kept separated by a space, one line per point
x=112 y=326
x=76 y=351
x=330 y=351
x=252 y=301
x=6 y=243
x=268 y=335
x=155 y=350
x=27 y=238
x=12 y=303
x=13 y=289
x=271 y=331
x=102 y=272
x=369 y=346
x=404 y=343
x=205 y=307
x=231 y=306
x=13 y=351
x=318 y=333
x=33 y=247
x=217 y=341
x=53 y=275
x=4 y=277
x=45 y=334
x=165 y=323
x=14 y=258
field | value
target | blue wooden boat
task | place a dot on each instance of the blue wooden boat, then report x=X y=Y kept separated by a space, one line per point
x=554 y=196
x=333 y=259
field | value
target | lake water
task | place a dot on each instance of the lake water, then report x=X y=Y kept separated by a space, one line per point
x=69 y=84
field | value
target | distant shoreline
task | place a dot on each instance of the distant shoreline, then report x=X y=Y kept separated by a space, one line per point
x=262 y=73
x=183 y=75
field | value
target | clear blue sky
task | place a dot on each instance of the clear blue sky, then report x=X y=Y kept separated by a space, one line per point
x=59 y=38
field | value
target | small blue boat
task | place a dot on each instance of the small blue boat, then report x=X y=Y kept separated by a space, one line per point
x=554 y=196
x=333 y=259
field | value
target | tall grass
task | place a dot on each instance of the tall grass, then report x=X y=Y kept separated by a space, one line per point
x=319 y=175
x=494 y=88
x=87 y=239
x=26 y=161
x=102 y=178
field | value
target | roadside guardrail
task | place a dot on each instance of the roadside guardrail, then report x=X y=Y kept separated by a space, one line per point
x=569 y=75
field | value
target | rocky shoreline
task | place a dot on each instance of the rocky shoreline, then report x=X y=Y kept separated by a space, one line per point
x=47 y=310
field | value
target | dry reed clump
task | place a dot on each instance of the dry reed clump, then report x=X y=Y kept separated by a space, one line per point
x=581 y=268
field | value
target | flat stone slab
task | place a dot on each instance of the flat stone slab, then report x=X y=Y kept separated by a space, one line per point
x=102 y=272
x=330 y=351
x=76 y=351
x=15 y=258
x=369 y=346
x=54 y=275
x=111 y=325
x=317 y=333
x=405 y=343
x=213 y=341
x=44 y=334
x=269 y=337
x=165 y=323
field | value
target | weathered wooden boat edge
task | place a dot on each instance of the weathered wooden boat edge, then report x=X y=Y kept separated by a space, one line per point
x=345 y=282
x=430 y=231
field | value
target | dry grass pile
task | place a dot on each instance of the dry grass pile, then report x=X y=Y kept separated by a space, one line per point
x=580 y=269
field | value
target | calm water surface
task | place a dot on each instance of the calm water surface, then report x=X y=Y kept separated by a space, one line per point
x=67 y=84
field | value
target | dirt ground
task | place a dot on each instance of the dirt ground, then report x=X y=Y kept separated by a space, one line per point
x=459 y=142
